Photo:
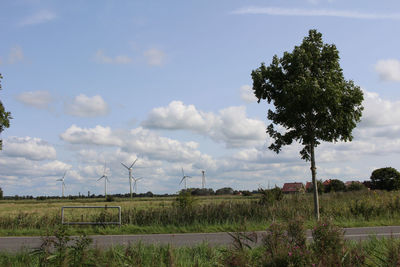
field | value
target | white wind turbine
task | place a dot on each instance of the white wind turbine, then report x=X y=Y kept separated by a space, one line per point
x=135 y=180
x=105 y=180
x=62 y=184
x=184 y=177
x=130 y=175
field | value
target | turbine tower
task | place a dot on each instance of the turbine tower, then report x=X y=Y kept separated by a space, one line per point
x=184 y=178
x=203 y=179
x=62 y=184
x=130 y=175
x=105 y=180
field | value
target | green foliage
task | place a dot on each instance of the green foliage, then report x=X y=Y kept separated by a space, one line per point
x=312 y=99
x=110 y=198
x=355 y=186
x=5 y=117
x=328 y=243
x=335 y=185
x=185 y=200
x=270 y=196
x=224 y=191
x=385 y=179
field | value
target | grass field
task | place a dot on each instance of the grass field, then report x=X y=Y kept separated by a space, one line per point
x=200 y=214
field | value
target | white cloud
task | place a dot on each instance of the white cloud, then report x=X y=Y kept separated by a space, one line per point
x=388 y=69
x=230 y=125
x=36 y=99
x=84 y=106
x=247 y=94
x=101 y=57
x=16 y=55
x=155 y=57
x=93 y=136
x=278 y=11
x=379 y=112
x=38 y=18
x=29 y=148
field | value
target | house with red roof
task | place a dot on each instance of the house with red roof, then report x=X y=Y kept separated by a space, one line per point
x=289 y=188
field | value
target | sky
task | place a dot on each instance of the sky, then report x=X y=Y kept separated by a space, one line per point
x=96 y=83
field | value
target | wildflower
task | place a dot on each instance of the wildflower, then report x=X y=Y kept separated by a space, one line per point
x=290 y=253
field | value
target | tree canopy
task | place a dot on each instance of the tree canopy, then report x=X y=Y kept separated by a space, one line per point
x=5 y=117
x=386 y=179
x=311 y=99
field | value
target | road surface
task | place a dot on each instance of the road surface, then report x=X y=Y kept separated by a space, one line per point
x=13 y=244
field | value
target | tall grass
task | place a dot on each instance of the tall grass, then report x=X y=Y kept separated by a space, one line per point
x=360 y=208
x=283 y=245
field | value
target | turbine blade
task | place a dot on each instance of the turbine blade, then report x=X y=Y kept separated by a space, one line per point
x=188 y=176
x=125 y=166
x=100 y=178
x=64 y=174
x=59 y=179
x=134 y=162
x=182 y=180
x=183 y=174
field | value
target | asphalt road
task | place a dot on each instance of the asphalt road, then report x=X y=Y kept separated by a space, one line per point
x=14 y=244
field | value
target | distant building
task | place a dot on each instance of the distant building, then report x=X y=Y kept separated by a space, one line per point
x=293 y=188
x=327 y=182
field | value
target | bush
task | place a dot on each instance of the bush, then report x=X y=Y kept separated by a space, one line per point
x=185 y=200
x=224 y=191
x=356 y=186
x=270 y=196
x=109 y=198
x=386 y=179
x=335 y=186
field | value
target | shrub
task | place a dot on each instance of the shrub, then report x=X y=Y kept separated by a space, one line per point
x=224 y=191
x=335 y=186
x=270 y=196
x=356 y=186
x=328 y=243
x=386 y=179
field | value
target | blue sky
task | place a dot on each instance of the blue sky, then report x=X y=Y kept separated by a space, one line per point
x=169 y=82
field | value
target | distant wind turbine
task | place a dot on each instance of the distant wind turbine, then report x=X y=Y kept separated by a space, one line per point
x=135 y=180
x=130 y=175
x=184 y=178
x=105 y=180
x=62 y=184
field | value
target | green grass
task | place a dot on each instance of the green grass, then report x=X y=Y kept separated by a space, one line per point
x=204 y=214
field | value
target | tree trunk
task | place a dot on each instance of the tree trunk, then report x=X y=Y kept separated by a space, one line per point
x=314 y=181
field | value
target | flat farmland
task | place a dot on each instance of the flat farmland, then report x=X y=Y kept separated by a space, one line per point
x=198 y=214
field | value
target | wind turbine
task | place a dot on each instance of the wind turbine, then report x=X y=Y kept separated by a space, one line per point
x=105 y=180
x=135 y=183
x=203 y=179
x=130 y=175
x=184 y=178
x=62 y=184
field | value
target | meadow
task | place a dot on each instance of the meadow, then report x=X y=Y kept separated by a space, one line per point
x=200 y=214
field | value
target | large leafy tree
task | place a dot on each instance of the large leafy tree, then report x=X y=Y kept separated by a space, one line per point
x=386 y=179
x=312 y=100
x=5 y=117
